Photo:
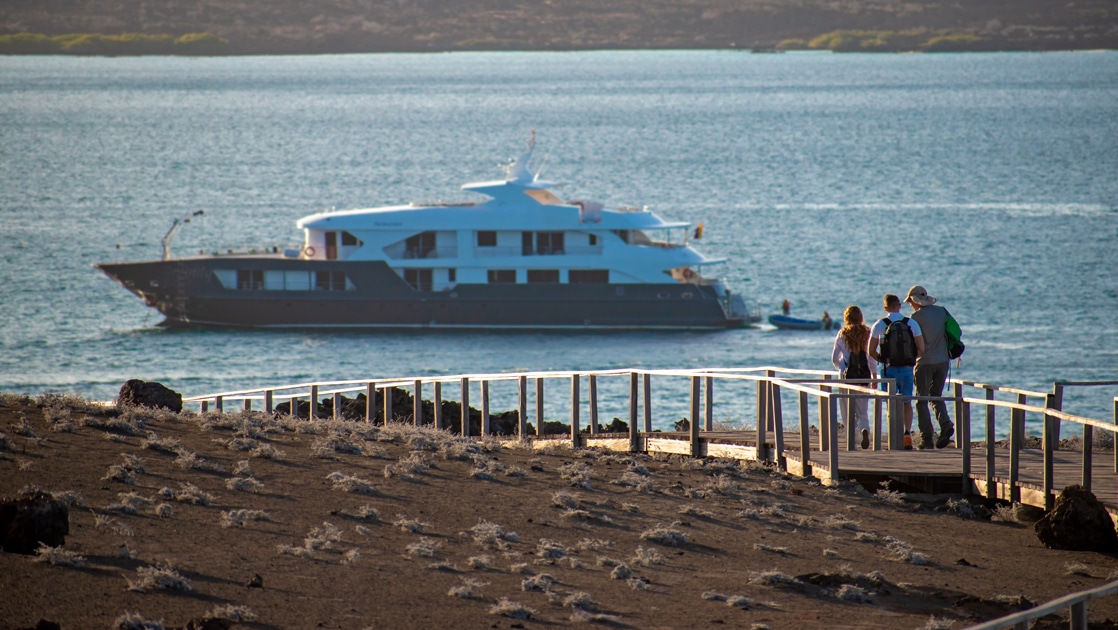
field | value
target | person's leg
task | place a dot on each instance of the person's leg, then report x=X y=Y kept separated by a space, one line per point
x=862 y=421
x=922 y=379
x=946 y=428
x=938 y=380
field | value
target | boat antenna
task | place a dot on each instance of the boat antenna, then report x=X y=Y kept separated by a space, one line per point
x=174 y=228
x=543 y=163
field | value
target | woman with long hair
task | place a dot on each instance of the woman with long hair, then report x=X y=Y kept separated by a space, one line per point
x=853 y=361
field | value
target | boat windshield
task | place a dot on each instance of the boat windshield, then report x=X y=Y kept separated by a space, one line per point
x=666 y=238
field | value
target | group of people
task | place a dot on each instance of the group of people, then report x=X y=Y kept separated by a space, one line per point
x=912 y=350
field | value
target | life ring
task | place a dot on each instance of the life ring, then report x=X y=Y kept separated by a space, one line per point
x=688 y=274
x=309 y=252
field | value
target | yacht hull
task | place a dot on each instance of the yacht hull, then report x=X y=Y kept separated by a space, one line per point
x=188 y=292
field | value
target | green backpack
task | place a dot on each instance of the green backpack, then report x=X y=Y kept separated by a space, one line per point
x=955 y=345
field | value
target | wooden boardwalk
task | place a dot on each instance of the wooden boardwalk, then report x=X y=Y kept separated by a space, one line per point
x=926 y=471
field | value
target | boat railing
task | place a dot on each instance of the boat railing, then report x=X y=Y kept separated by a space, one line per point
x=413 y=253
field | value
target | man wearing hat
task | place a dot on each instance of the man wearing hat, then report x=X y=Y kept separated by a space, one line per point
x=932 y=365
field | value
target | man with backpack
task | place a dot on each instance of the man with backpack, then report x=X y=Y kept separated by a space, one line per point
x=931 y=369
x=896 y=342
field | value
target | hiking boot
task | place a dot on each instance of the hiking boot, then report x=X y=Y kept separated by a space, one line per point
x=907 y=442
x=865 y=439
x=925 y=442
x=945 y=434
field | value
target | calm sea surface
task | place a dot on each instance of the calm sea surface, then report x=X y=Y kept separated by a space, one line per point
x=827 y=180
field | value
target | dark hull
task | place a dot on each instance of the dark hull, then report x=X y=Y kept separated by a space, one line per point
x=188 y=293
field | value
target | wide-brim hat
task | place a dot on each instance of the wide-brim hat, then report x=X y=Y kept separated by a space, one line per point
x=919 y=295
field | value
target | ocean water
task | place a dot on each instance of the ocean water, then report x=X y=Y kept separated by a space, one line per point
x=827 y=180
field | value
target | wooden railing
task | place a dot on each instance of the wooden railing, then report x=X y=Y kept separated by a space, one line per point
x=1076 y=602
x=770 y=387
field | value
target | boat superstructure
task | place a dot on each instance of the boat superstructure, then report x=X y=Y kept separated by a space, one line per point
x=524 y=257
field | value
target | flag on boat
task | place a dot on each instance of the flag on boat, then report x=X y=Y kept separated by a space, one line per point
x=698 y=232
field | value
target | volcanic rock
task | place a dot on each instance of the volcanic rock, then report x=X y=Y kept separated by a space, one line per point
x=1077 y=522
x=139 y=393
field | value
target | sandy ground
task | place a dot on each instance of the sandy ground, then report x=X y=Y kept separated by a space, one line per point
x=348 y=525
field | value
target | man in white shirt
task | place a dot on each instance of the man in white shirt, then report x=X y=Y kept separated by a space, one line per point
x=899 y=367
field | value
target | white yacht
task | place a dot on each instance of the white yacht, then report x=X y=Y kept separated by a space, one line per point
x=523 y=258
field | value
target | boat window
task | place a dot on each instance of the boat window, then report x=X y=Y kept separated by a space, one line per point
x=593 y=239
x=452 y=275
x=252 y=279
x=502 y=276
x=589 y=276
x=420 y=246
x=331 y=246
x=487 y=238
x=419 y=279
x=329 y=281
x=349 y=240
x=542 y=243
x=550 y=276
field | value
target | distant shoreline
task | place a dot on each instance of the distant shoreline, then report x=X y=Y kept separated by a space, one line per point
x=209 y=45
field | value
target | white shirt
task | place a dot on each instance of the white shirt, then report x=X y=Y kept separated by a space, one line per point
x=841 y=354
x=879 y=326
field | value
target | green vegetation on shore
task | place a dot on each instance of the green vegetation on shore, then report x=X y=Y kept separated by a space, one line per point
x=918 y=40
x=123 y=44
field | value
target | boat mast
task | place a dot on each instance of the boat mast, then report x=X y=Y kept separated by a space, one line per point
x=174 y=228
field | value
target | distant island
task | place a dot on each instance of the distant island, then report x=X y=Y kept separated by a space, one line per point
x=238 y=27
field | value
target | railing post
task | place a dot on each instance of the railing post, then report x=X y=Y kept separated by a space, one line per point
x=370 y=402
x=647 y=406
x=1056 y=402
x=991 y=485
x=539 y=406
x=465 y=407
x=833 y=454
x=634 y=434
x=825 y=417
x=219 y=404
x=805 y=434
x=1079 y=615
x=592 y=384
x=1114 y=436
x=522 y=408
x=485 y=407
x=269 y=401
x=778 y=426
x=696 y=441
x=896 y=416
x=386 y=399
x=293 y=406
x=762 y=423
x=851 y=420
x=962 y=432
x=762 y=420
x=1022 y=399
x=1016 y=440
x=958 y=406
x=1049 y=442
x=438 y=394
x=248 y=404
x=312 y=410
x=204 y=407
x=708 y=405
x=574 y=411
x=1088 y=454
x=877 y=415
x=417 y=402
x=337 y=406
